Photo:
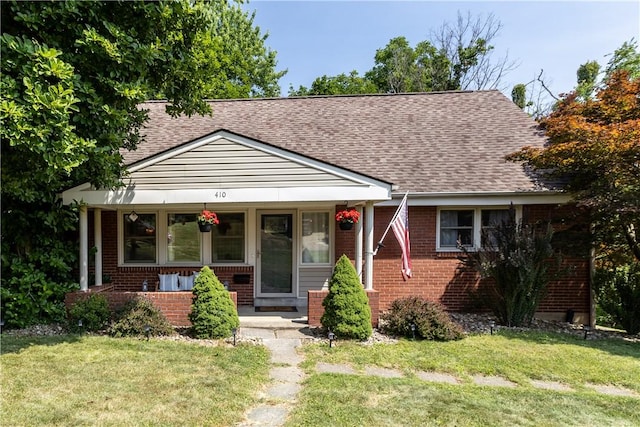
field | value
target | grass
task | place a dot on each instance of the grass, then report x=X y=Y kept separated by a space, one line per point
x=345 y=400
x=94 y=380
x=515 y=356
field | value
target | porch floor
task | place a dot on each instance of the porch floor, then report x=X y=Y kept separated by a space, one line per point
x=272 y=320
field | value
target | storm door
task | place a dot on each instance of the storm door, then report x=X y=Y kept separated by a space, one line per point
x=275 y=252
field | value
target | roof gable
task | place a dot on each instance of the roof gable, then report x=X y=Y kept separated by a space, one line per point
x=225 y=160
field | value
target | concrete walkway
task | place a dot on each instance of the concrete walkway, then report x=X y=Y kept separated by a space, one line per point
x=281 y=333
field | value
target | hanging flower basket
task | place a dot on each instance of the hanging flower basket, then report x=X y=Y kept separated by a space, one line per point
x=205 y=228
x=206 y=221
x=346 y=218
x=345 y=225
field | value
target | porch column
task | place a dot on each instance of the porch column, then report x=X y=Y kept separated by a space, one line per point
x=359 y=244
x=97 y=236
x=368 y=247
x=84 y=246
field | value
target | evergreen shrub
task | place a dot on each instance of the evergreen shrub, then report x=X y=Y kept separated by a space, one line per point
x=139 y=317
x=92 y=310
x=430 y=319
x=213 y=314
x=346 y=307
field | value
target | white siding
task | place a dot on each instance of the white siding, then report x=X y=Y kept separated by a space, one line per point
x=312 y=279
x=230 y=165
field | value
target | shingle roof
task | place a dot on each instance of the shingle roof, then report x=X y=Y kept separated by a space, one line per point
x=430 y=142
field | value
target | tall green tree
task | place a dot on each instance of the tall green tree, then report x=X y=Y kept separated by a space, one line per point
x=341 y=84
x=73 y=75
x=457 y=56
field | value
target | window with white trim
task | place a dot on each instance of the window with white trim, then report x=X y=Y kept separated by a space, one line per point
x=228 y=238
x=183 y=238
x=139 y=238
x=463 y=226
x=315 y=238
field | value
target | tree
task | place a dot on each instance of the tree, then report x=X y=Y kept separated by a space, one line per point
x=594 y=145
x=587 y=75
x=346 y=307
x=73 y=75
x=213 y=314
x=468 y=49
x=341 y=84
x=456 y=57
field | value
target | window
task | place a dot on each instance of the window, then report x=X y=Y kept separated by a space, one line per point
x=490 y=219
x=183 y=238
x=227 y=238
x=464 y=226
x=456 y=227
x=315 y=237
x=139 y=238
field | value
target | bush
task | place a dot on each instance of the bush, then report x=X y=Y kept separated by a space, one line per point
x=93 y=311
x=213 y=314
x=346 y=308
x=618 y=294
x=517 y=257
x=430 y=319
x=139 y=317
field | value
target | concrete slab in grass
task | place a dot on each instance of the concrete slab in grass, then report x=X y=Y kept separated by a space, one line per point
x=438 y=377
x=382 y=372
x=493 y=380
x=613 y=390
x=330 y=368
x=550 y=385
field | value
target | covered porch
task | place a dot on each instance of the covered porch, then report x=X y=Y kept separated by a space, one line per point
x=277 y=239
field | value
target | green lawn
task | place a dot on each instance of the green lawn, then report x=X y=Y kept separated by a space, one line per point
x=93 y=380
x=350 y=400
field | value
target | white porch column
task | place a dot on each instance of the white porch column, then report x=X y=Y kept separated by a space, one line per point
x=368 y=247
x=84 y=246
x=97 y=236
x=359 y=244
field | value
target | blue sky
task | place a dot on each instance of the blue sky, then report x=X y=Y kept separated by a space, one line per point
x=314 y=38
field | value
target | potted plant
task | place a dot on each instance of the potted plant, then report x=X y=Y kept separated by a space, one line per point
x=206 y=220
x=346 y=218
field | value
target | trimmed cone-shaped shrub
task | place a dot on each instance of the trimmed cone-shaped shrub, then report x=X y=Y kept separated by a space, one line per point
x=346 y=309
x=139 y=317
x=430 y=320
x=213 y=314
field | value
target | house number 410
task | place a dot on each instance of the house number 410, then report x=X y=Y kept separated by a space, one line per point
x=220 y=194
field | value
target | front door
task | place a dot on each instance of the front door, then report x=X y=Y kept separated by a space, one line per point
x=276 y=254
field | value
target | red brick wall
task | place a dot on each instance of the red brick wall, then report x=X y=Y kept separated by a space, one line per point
x=436 y=275
x=176 y=306
x=315 y=310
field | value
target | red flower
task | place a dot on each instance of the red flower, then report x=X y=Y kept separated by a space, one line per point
x=208 y=217
x=348 y=215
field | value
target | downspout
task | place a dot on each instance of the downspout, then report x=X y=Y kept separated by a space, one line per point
x=97 y=235
x=592 y=274
x=368 y=250
x=84 y=246
x=358 y=259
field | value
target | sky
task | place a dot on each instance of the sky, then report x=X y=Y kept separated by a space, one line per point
x=315 y=38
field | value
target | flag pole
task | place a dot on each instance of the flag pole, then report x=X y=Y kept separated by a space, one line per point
x=380 y=245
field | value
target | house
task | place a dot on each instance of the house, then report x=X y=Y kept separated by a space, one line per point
x=276 y=171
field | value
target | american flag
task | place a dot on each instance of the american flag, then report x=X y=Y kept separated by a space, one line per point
x=400 y=227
